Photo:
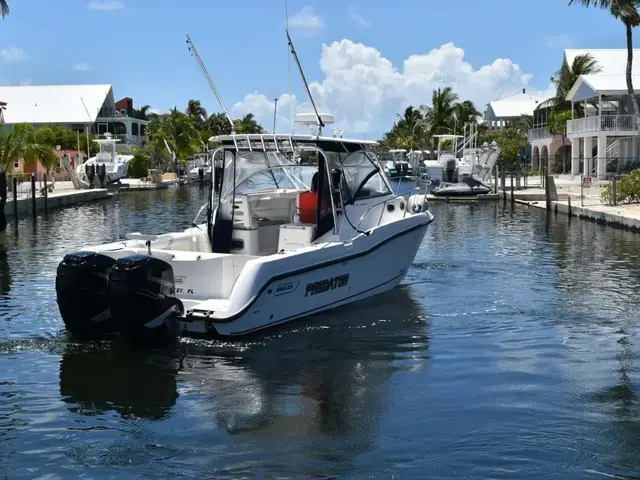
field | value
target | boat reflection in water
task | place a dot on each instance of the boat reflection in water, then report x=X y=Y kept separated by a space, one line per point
x=96 y=379
x=320 y=385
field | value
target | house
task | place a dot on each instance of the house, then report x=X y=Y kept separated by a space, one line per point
x=58 y=172
x=77 y=108
x=506 y=111
x=606 y=138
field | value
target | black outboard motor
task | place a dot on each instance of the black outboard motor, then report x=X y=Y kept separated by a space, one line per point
x=90 y=171
x=82 y=294
x=201 y=174
x=101 y=171
x=143 y=302
x=450 y=170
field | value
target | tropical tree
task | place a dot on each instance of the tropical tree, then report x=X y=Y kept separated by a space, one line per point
x=21 y=143
x=627 y=12
x=197 y=113
x=465 y=113
x=4 y=9
x=218 y=124
x=247 y=124
x=179 y=132
x=441 y=115
x=404 y=133
x=566 y=77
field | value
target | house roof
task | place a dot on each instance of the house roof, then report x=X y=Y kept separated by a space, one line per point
x=514 y=105
x=593 y=85
x=612 y=61
x=54 y=103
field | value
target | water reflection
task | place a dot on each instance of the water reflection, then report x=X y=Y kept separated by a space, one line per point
x=5 y=270
x=318 y=388
x=324 y=383
x=94 y=380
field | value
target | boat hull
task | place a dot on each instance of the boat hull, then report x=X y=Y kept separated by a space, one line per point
x=378 y=266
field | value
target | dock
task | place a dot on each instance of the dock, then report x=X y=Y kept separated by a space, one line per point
x=580 y=201
x=63 y=195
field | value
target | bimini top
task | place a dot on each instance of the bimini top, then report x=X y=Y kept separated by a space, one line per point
x=284 y=142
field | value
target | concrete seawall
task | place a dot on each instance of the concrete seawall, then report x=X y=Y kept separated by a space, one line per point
x=56 y=200
x=622 y=216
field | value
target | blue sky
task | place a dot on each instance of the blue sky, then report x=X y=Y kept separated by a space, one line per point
x=355 y=52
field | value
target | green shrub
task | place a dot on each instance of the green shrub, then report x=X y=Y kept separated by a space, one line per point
x=139 y=166
x=627 y=188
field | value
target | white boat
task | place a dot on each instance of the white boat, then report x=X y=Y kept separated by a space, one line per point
x=398 y=166
x=106 y=167
x=195 y=172
x=284 y=241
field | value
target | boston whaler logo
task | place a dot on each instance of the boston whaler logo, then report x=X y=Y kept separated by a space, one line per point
x=284 y=288
x=327 y=284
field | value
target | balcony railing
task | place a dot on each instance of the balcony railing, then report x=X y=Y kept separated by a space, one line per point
x=539 y=133
x=601 y=123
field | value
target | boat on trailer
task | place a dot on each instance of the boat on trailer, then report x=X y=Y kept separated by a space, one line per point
x=284 y=241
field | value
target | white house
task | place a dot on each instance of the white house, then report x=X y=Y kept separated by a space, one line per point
x=503 y=112
x=75 y=107
x=607 y=134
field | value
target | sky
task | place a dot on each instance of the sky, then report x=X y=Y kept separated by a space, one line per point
x=365 y=60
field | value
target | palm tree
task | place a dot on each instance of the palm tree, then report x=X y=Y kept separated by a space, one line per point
x=627 y=12
x=565 y=78
x=465 y=113
x=4 y=9
x=247 y=124
x=197 y=112
x=440 y=115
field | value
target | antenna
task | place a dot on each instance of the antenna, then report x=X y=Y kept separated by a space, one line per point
x=194 y=51
x=286 y=19
x=306 y=85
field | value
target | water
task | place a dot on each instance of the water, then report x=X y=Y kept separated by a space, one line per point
x=511 y=351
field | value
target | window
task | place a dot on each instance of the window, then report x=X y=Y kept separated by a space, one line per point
x=134 y=129
x=16 y=164
x=362 y=177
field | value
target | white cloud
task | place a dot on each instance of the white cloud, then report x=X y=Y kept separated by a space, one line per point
x=81 y=67
x=558 y=41
x=356 y=17
x=13 y=54
x=26 y=81
x=307 y=21
x=106 y=5
x=364 y=90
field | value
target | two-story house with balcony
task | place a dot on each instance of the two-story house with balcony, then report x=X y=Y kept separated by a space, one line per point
x=76 y=108
x=605 y=138
x=510 y=109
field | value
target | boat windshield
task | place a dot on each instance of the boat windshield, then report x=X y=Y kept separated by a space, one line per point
x=263 y=171
x=362 y=176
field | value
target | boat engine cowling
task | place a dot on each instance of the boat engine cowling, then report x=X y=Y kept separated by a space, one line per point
x=101 y=172
x=82 y=294
x=143 y=302
x=90 y=171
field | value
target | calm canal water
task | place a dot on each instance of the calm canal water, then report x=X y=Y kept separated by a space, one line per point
x=511 y=351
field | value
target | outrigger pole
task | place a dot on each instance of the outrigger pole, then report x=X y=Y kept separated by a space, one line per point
x=194 y=51
x=306 y=85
